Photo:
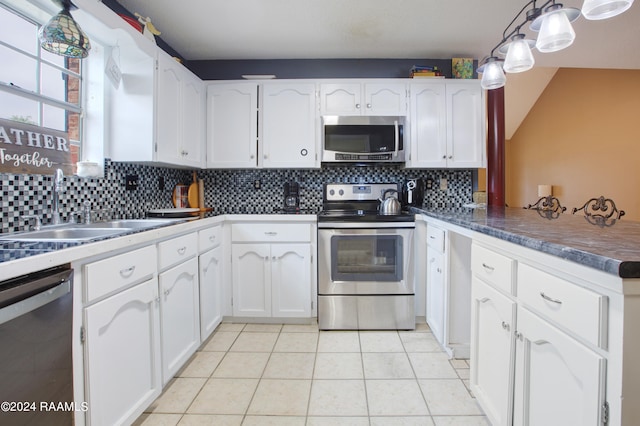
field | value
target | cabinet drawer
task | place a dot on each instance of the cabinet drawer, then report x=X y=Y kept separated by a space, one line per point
x=267 y=232
x=117 y=272
x=177 y=250
x=581 y=311
x=493 y=268
x=209 y=238
x=435 y=238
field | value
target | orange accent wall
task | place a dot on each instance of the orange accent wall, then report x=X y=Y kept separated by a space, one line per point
x=583 y=137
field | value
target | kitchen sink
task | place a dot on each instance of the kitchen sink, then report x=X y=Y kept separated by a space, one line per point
x=132 y=223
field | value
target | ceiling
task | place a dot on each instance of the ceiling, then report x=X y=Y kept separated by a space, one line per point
x=388 y=29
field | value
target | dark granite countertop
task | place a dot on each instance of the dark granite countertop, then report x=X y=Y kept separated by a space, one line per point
x=612 y=246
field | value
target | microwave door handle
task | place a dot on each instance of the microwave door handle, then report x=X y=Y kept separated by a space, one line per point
x=395 y=151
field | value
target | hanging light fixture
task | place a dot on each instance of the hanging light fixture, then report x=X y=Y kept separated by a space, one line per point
x=62 y=35
x=492 y=75
x=519 y=57
x=556 y=32
x=603 y=9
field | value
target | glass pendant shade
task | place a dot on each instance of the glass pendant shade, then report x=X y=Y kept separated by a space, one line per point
x=492 y=75
x=556 y=32
x=603 y=9
x=63 y=36
x=519 y=57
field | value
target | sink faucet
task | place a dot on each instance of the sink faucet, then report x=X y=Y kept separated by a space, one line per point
x=57 y=189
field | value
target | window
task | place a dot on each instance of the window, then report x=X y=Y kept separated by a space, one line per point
x=38 y=87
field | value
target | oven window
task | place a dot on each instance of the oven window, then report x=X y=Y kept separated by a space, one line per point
x=361 y=139
x=366 y=258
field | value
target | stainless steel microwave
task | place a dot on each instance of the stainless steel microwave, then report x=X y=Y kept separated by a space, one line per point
x=363 y=139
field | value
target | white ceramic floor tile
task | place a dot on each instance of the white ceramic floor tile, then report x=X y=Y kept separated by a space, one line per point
x=158 y=420
x=463 y=373
x=210 y=420
x=290 y=366
x=448 y=397
x=338 y=398
x=380 y=341
x=394 y=365
x=274 y=421
x=178 y=395
x=395 y=398
x=297 y=342
x=342 y=365
x=230 y=326
x=281 y=398
x=419 y=342
x=265 y=328
x=254 y=342
x=242 y=365
x=458 y=363
x=432 y=365
x=337 y=421
x=300 y=328
x=202 y=364
x=224 y=396
x=422 y=327
x=402 y=421
x=339 y=341
x=461 y=421
x=221 y=341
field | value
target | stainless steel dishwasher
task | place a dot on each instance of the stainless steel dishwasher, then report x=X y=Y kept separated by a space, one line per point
x=36 y=373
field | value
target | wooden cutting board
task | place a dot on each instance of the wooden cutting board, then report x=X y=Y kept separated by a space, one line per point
x=193 y=194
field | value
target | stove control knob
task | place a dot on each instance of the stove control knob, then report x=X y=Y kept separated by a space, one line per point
x=332 y=192
x=341 y=192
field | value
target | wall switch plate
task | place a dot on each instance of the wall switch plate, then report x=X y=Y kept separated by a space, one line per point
x=443 y=184
x=131 y=182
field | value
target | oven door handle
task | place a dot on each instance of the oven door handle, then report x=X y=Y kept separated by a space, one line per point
x=397 y=144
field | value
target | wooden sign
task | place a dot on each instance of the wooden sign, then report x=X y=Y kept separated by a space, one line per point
x=25 y=148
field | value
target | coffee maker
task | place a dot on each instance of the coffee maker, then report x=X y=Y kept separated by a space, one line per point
x=413 y=192
x=291 y=197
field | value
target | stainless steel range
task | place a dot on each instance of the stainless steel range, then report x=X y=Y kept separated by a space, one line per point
x=365 y=262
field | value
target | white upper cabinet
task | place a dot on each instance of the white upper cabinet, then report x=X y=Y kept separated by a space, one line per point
x=157 y=113
x=447 y=124
x=232 y=125
x=386 y=97
x=289 y=125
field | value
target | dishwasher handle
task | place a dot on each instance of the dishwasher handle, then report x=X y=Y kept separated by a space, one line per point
x=25 y=286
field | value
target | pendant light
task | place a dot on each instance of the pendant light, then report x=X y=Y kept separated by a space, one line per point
x=62 y=35
x=519 y=57
x=603 y=9
x=492 y=75
x=556 y=32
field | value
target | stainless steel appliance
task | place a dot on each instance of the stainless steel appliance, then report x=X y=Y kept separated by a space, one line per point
x=35 y=348
x=291 y=197
x=365 y=262
x=363 y=139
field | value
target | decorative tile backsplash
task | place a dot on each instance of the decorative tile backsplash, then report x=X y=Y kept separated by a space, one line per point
x=257 y=191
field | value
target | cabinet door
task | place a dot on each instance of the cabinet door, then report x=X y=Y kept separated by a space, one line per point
x=428 y=144
x=559 y=381
x=289 y=126
x=251 y=265
x=492 y=351
x=465 y=124
x=179 y=316
x=341 y=99
x=232 y=125
x=291 y=280
x=436 y=293
x=168 y=104
x=122 y=355
x=385 y=99
x=210 y=291
x=193 y=122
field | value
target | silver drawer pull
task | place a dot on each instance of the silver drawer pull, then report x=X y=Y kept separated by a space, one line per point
x=271 y=233
x=488 y=267
x=181 y=250
x=127 y=272
x=505 y=326
x=550 y=299
x=212 y=238
x=432 y=237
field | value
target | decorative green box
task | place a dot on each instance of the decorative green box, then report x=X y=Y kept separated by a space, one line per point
x=462 y=67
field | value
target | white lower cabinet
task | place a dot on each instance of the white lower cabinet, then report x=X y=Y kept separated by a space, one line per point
x=122 y=358
x=179 y=316
x=210 y=264
x=436 y=291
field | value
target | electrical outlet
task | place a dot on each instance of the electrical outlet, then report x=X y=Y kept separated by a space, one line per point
x=429 y=183
x=257 y=184
x=131 y=182
x=443 y=184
